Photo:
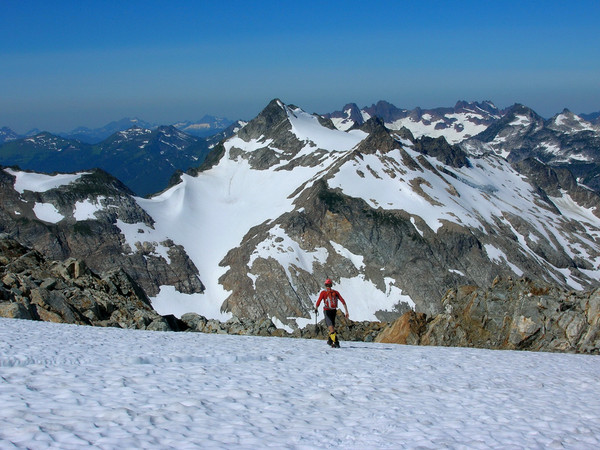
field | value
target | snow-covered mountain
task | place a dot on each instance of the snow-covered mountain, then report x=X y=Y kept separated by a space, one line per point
x=565 y=140
x=96 y=135
x=290 y=200
x=593 y=118
x=455 y=124
x=206 y=126
x=6 y=135
x=393 y=219
x=144 y=159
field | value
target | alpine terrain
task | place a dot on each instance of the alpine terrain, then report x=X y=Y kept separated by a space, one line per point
x=564 y=141
x=464 y=120
x=143 y=159
x=289 y=200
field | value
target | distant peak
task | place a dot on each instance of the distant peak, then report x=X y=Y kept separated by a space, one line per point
x=273 y=115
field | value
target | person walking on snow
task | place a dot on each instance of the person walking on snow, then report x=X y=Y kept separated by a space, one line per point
x=330 y=298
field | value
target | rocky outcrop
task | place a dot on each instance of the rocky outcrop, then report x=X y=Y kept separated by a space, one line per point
x=407 y=329
x=348 y=330
x=451 y=155
x=34 y=288
x=91 y=214
x=512 y=315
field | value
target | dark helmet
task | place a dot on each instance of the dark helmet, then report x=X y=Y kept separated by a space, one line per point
x=328 y=282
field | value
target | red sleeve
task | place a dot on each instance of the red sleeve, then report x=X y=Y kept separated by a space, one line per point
x=321 y=297
x=340 y=298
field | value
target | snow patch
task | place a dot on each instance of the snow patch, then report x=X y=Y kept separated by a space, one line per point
x=171 y=301
x=87 y=209
x=287 y=252
x=47 y=212
x=357 y=260
x=38 y=182
x=307 y=128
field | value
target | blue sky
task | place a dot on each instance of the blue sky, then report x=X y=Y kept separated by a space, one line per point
x=70 y=63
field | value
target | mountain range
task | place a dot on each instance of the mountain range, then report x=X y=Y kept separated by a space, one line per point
x=142 y=155
x=165 y=153
x=290 y=198
x=565 y=140
x=455 y=124
x=205 y=127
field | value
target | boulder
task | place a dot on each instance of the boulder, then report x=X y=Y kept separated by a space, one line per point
x=407 y=329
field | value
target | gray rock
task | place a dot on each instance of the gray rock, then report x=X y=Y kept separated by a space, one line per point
x=68 y=292
x=13 y=310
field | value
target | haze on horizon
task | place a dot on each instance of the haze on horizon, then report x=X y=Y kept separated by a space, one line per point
x=67 y=63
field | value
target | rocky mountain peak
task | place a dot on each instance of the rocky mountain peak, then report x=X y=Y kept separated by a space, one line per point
x=378 y=139
x=272 y=119
x=386 y=111
x=516 y=123
x=395 y=220
x=486 y=107
x=570 y=123
x=566 y=140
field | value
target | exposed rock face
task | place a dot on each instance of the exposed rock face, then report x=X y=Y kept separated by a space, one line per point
x=34 y=288
x=512 y=314
x=90 y=216
x=554 y=181
x=407 y=329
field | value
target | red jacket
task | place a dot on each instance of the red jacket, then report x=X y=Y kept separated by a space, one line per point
x=330 y=299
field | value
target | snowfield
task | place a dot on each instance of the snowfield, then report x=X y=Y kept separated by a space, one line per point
x=68 y=386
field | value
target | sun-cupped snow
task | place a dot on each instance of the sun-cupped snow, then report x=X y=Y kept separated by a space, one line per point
x=37 y=182
x=209 y=214
x=117 y=388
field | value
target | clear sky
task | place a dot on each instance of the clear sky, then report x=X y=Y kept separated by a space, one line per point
x=70 y=63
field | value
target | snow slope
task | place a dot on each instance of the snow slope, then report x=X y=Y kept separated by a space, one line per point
x=115 y=388
x=211 y=213
x=462 y=129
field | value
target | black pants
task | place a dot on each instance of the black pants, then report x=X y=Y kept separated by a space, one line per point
x=330 y=317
